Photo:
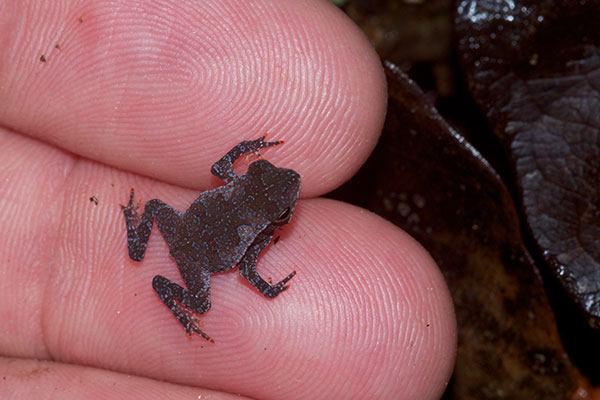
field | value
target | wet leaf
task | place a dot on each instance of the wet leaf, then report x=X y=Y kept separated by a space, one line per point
x=415 y=30
x=427 y=179
x=534 y=67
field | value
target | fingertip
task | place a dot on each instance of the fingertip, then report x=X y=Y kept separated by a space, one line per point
x=378 y=301
x=164 y=90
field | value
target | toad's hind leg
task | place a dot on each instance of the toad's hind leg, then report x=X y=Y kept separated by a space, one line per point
x=138 y=228
x=184 y=304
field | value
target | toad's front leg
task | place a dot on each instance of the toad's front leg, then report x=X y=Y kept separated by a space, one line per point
x=224 y=167
x=247 y=268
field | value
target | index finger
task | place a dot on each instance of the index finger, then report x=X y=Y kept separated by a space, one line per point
x=163 y=91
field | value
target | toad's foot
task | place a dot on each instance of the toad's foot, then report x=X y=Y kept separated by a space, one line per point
x=272 y=291
x=131 y=211
x=191 y=323
x=223 y=169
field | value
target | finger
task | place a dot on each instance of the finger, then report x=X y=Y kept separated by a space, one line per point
x=162 y=90
x=368 y=310
x=32 y=379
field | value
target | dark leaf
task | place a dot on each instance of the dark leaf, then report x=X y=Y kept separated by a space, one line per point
x=534 y=67
x=424 y=177
x=402 y=31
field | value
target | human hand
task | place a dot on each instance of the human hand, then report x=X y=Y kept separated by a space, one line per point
x=163 y=92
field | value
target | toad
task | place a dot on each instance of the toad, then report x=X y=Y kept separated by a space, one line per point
x=223 y=228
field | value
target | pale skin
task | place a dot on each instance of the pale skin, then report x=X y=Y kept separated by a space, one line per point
x=135 y=99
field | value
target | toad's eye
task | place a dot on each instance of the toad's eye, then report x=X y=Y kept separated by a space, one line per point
x=283 y=216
